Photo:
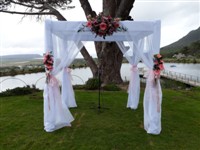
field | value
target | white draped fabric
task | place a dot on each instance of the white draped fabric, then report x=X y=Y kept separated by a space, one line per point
x=143 y=38
x=152 y=104
x=56 y=115
x=67 y=97
x=134 y=84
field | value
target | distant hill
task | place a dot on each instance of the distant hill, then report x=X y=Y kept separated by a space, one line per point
x=188 y=41
x=19 y=57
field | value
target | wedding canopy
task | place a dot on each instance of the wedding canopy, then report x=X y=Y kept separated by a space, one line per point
x=64 y=41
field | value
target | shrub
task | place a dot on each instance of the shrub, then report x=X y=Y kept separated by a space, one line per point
x=19 y=91
x=79 y=87
x=111 y=87
x=92 y=84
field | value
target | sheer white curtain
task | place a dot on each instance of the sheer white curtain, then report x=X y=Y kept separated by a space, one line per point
x=68 y=97
x=67 y=52
x=56 y=112
x=152 y=104
x=153 y=94
x=147 y=44
x=134 y=84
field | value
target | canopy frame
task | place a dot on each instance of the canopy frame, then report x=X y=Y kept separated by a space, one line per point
x=64 y=41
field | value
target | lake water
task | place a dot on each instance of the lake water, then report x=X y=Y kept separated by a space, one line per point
x=80 y=76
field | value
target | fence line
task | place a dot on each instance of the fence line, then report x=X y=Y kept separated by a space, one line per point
x=15 y=79
x=35 y=84
x=181 y=77
x=185 y=78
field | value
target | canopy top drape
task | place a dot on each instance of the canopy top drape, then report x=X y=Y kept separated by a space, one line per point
x=136 y=30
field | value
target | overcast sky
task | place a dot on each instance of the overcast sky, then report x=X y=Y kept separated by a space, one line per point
x=178 y=17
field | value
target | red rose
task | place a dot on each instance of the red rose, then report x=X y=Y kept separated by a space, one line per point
x=161 y=66
x=89 y=24
x=103 y=26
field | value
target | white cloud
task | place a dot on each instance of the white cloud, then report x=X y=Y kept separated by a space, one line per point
x=178 y=17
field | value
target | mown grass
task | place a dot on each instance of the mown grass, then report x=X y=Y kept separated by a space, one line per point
x=112 y=128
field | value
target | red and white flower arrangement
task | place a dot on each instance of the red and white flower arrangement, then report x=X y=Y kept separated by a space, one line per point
x=103 y=25
x=158 y=65
x=48 y=64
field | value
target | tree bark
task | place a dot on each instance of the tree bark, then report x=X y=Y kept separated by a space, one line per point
x=124 y=9
x=110 y=60
x=87 y=8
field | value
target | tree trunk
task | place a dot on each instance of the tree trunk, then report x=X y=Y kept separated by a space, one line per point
x=109 y=55
x=90 y=62
x=110 y=61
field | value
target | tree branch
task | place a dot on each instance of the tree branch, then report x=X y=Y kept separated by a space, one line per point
x=124 y=9
x=27 y=13
x=30 y=7
x=25 y=5
x=90 y=62
x=87 y=8
x=109 y=7
x=55 y=12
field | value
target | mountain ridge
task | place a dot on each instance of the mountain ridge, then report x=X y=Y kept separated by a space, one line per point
x=20 y=57
x=186 y=42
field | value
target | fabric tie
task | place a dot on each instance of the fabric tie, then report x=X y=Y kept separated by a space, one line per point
x=134 y=68
x=53 y=81
x=69 y=72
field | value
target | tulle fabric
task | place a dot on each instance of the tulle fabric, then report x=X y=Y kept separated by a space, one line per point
x=152 y=104
x=68 y=98
x=134 y=89
x=56 y=115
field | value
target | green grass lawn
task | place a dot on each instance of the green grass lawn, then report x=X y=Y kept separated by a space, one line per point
x=114 y=128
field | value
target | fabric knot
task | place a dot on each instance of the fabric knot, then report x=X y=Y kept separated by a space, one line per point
x=134 y=68
x=53 y=81
x=68 y=70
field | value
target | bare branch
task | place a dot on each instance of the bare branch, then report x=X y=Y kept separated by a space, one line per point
x=26 y=5
x=55 y=12
x=87 y=8
x=27 y=13
x=124 y=9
